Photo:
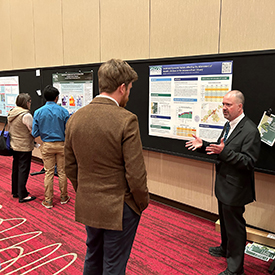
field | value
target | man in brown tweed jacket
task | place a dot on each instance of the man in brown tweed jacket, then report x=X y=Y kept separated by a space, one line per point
x=104 y=161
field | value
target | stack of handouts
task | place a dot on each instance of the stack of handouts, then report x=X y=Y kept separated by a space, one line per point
x=259 y=251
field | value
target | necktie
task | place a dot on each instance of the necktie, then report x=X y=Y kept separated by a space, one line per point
x=226 y=131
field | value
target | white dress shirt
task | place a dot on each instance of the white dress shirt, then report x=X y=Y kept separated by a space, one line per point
x=234 y=123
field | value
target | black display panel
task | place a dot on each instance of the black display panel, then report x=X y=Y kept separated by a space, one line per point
x=253 y=74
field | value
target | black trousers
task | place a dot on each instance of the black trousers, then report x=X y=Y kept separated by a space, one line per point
x=233 y=235
x=20 y=172
x=108 y=250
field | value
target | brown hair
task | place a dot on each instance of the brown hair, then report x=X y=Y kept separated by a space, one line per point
x=22 y=100
x=113 y=73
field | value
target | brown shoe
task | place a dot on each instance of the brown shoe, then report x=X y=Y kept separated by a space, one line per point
x=64 y=200
x=47 y=204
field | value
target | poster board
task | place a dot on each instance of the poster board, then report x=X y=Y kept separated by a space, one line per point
x=186 y=99
x=9 y=90
x=252 y=74
x=76 y=89
x=266 y=128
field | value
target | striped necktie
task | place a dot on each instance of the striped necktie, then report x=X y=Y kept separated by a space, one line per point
x=226 y=132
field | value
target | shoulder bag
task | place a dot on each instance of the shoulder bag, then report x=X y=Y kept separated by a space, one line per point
x=5 y=142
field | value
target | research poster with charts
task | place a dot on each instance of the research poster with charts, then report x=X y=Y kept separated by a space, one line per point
x=76 y=89
x=9 y=90
x=186 y=99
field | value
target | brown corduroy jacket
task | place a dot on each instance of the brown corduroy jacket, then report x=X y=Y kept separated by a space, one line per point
x=104 y=161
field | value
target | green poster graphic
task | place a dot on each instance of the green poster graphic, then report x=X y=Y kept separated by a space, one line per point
x=266 y=128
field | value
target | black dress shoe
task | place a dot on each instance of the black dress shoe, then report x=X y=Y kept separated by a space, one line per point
x=228 y=272
x=27 y=199
x=217 y=251
x=15 y=195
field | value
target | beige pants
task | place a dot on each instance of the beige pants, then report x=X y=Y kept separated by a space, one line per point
x=53 y=153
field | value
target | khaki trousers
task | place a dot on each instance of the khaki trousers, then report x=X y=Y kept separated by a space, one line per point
x=53 y=154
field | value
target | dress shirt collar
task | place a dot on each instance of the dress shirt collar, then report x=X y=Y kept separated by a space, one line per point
x=106 y=96
x=235 y=122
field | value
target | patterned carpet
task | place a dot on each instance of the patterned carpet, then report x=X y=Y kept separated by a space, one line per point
x=37 y=240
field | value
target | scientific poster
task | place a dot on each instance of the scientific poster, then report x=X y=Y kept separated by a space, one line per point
x=186 y=99
x=9 y=90
x=76 y=89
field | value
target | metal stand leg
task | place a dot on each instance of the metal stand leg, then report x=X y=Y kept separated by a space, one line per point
x=272 y=267
x=42 y=171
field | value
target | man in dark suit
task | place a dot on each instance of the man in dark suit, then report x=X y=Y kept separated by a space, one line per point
x=104 y=161
x=237 y=150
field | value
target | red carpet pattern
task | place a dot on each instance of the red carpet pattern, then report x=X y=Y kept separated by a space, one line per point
x=37 y=240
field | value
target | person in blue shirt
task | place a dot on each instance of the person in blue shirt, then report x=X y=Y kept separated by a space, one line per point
x=49 y=123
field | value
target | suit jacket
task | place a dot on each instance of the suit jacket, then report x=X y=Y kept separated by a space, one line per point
x=235 y=184
x=104 y=161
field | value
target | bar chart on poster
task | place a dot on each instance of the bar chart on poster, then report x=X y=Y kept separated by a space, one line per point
x=9 y=90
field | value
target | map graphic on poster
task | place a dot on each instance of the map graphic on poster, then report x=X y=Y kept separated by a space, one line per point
x=76 y=89
x=9 y=90
x=186 y=99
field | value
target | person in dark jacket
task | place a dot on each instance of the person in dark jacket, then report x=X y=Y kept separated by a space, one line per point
x=237 y=150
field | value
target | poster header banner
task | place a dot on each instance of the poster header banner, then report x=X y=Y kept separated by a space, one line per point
x=206 y=68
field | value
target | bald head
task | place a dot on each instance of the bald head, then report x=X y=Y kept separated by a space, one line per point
x=239 y=96
x=233 y=104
